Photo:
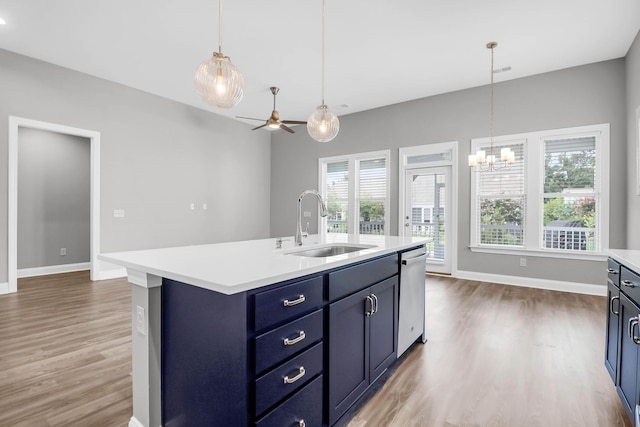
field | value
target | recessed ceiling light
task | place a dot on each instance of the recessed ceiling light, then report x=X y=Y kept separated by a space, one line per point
x=2 y=21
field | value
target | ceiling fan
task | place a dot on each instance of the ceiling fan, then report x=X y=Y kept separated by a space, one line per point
x=274 y=121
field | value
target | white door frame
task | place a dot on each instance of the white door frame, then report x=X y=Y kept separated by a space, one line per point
x=14 y=124
x=404 y=166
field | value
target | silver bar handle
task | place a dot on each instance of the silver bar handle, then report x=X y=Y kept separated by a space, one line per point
x=369 y=310
x=299 y=375
x=297 y=301
x=415 y=259
x=611 y=305
x=629 y=323
x=628 y=283
x=374 y=309
x=611 y=271
x=635 y=338
x=300 y=337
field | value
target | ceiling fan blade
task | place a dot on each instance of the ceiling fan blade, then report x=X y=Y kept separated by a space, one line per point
x=261 y=126
x=250 y=118
x=288 y=129
x=293 y=122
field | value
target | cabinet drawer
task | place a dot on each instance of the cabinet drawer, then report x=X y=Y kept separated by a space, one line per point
x=351 y=279
x=305 y=406
x=287 y=302
x=272 y=387
x=630 y=284
x=613 y=272
x=287 y=340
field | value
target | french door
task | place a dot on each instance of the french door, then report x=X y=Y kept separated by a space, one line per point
x=427 y=192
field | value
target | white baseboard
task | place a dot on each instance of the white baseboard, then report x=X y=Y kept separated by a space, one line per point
x=53 y=269
x=4 y=288
x=115 y=273
x=528 y=282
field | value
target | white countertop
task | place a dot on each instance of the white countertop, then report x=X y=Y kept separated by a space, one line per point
x=627 y=257
x=235 y=267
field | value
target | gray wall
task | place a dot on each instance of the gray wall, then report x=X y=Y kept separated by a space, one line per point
x=633 y=102
x=589 y=94
x=53 y=198
x=158 y=156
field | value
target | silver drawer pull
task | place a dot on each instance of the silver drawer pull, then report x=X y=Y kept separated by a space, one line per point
x=301 y=423
x=633 y=322
x=628 y=283
x=301 y=336
x=611 y=305
x=300 y=300
x=630 y=326
x=611 y=271
x=292 y=380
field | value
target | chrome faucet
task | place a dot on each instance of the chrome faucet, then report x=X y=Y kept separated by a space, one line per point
x=323 y=212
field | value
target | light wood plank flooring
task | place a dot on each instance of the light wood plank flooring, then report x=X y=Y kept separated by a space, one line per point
x=496 y=356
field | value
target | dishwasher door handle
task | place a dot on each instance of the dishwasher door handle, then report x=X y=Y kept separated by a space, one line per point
x=415 y=259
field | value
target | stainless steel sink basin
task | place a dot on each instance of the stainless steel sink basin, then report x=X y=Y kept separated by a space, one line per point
x=331 y=250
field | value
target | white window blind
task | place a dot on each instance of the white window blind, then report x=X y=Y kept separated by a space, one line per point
x=337 y=195
x=501 y=201
x=570 y=199
x=372 y=195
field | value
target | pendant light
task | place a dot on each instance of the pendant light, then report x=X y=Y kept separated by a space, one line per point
x=481 y=160
x=322 y=124
x=217 y=80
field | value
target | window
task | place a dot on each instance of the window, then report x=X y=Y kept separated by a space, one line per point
x=356 y=189
x=551 y=200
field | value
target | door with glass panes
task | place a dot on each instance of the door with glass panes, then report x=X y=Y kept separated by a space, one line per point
x=426 y=213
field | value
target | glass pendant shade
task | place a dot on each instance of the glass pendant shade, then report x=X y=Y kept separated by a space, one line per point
x=218 y=82
x=322 y=124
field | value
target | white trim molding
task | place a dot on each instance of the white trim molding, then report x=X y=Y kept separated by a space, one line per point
x=529 y=282
x=12 y=238
x=53 y=269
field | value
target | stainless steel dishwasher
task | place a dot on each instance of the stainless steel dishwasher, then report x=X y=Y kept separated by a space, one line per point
x=411 y=311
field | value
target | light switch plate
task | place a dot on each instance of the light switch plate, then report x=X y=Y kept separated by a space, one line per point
x=140 y=320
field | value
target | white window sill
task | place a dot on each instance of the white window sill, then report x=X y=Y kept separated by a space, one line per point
x=590 y=256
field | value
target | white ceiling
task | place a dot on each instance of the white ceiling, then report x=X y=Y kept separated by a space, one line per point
x=377 y=52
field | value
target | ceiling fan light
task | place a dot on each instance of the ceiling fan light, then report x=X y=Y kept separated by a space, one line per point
x=322 y=124
x=218 y=82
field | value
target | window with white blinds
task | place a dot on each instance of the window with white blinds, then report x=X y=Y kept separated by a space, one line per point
x=554 y=198
x=501 y=200
x=356 y=189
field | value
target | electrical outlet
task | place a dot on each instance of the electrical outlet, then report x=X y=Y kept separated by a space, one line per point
x=63 y=251
x=140 y=320
x=118 y=213
x=192 y=206
x=307 y=214
x=523 y=262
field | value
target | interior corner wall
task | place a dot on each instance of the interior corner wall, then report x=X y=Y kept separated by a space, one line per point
x=589 y=94
x=157 y=157
x=54 y=198
x=632 y=62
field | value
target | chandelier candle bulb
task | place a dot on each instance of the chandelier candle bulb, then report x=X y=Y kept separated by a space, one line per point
x=504 y=153
x=472 y=160
x=481 y=156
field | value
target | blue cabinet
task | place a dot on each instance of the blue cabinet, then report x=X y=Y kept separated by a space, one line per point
x=622 y=345
x=362 y=341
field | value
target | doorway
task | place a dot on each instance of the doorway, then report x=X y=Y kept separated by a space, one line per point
x=15 y=123
x=427 y=202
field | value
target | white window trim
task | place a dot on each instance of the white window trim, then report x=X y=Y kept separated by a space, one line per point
x=534 y=184
x=353 y=207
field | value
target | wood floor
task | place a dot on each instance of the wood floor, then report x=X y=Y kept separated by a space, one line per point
x=502 y=356
x=65 y=352
x=496 y=356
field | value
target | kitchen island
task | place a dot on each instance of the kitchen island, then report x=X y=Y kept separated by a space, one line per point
x=260 y=333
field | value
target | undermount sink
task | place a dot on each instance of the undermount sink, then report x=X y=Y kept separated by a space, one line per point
x=331 y=250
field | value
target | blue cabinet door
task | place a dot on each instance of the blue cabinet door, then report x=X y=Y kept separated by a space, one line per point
x=613 y=320
x=628 y=357
x=384 y=327
x=348 y=352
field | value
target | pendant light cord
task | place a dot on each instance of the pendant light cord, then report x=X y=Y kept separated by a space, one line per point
x=219 y=26
x=323 y=7
x=491 y=120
